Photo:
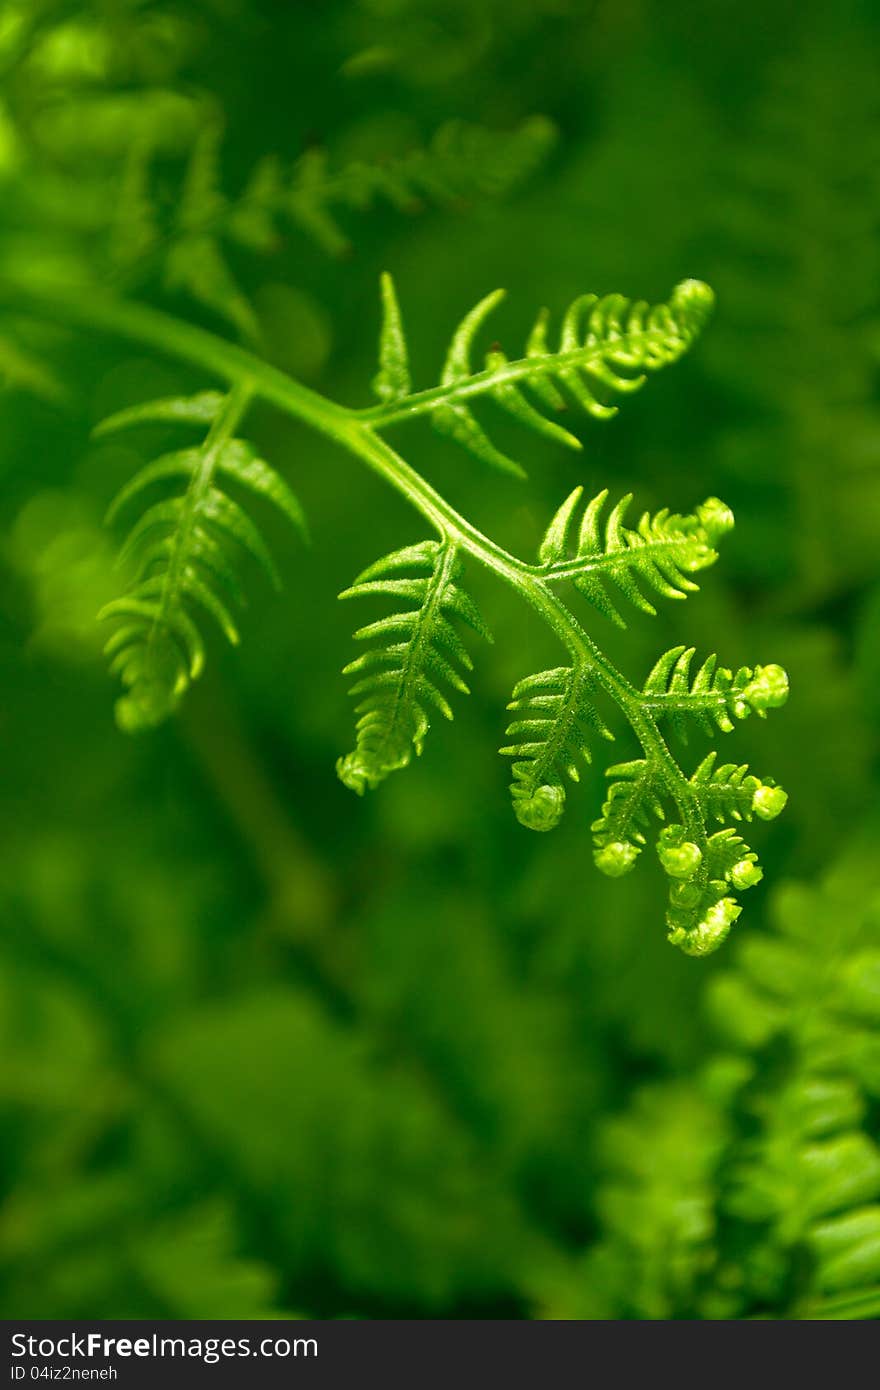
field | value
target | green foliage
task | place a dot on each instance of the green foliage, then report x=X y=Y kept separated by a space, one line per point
x=753 y=1189
x=187 y=234
x=600 y=337
x=181 y=552
x=555 y=716
x=557 y=707
x=800 y=274
x=415 y=651
x=253 y=1033
x=663 y=551
x=714 y=694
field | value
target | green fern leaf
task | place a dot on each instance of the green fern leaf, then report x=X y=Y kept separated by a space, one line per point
x=634 y=795
x=555 y=716
x=460 y=163
x=182 y=554
x=415 y=651
x=602 y=339
x=663 y=551
x=704 y=870
x=731 y=791
x=715 y=696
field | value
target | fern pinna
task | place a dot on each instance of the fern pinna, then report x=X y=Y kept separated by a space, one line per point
x=182 y=551
x=414 y=656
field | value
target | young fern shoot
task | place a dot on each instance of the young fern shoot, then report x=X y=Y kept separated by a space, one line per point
x=182 y=553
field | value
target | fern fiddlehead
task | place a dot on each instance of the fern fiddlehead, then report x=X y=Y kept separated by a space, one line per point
x=607 y=348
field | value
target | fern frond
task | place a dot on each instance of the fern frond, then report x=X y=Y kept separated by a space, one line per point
x=190 y=248
x=555 y=717
x=413 y=654
x=461 y=163
x=715 y=696
x=182 y=552
x=179 y=548
x=606 y=347
x=663 y=551
x=392 y=381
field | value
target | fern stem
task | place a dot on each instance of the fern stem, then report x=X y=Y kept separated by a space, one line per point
x=88 y=307
x=421 y=402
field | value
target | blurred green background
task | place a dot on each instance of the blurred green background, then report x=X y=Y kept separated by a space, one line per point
x=269 y=1050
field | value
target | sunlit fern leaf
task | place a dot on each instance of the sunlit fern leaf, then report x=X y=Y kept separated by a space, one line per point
x=715 y=696
x=182 y=553
x=732 y=792
x=663 y=551
x=454 y=418
x=413 y=654
x=606 y=347
x=702 y=908
x=729 y=858
x=554 y=719
x=634 y=795
x=703 y=870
